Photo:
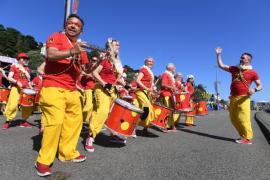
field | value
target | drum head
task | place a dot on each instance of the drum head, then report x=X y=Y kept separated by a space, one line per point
x=29 y=91
x=128 y=105
x=160 y=105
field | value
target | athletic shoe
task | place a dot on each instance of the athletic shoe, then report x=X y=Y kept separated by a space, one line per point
x=164 y=130
x=243 y=141
x=5 y=126
x=89 y=144
x=42 y=169
x=188 y=124
x=25 y=124
x=117 y=139
x=172 y=129
x=79 y=159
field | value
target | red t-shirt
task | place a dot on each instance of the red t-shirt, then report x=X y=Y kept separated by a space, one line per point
x=108 y=72
x=167 y=80
x=238 y=88
x=19 y=76
x=190 y=89
x=146 y=79
x=132 y=91
x=88 y=82
x=62 y=73
x=37 y=82
x=178 y=85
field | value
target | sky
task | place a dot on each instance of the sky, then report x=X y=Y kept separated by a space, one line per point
x=183 y=32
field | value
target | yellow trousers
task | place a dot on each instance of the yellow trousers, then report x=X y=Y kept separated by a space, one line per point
x=176 y=118
x=62 y=123
x=240 y=115
x=141 y=102
x=87 y=105
x=103 y=103
x=12 y=106
x=168 y=103
x=189 y=120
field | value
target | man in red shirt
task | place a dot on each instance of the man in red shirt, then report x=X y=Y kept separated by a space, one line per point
x=242 y=78
x=59 y=98
x=145 y=83
x=168 y=89
x=19 y=77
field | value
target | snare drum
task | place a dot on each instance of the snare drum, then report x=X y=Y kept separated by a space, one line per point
x=4 y=93
x=201 y=108
x=27 y=97
x=123 y=118
x=162 y=113
x=182 y=102
x=193 y=109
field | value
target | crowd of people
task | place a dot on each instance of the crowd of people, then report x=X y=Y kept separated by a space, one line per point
x=73 y=89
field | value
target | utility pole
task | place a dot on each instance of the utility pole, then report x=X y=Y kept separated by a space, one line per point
x=217 y=84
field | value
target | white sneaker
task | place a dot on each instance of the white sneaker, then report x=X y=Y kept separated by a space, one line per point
x=89 y=144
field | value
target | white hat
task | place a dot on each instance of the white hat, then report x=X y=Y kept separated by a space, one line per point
x=190 y=76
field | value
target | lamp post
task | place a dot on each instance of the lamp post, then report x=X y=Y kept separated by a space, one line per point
x=217 y=84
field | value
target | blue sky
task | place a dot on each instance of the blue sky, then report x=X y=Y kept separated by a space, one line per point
x=184 y=32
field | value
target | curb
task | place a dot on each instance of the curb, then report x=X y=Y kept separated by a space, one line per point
x=263 y=120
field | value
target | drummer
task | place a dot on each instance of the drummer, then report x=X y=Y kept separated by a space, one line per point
x=88 y=83
x=190 y=88
x=168 y=89
x=180 y=85
x=145 y=83
x=107 y=74
x=19 y=77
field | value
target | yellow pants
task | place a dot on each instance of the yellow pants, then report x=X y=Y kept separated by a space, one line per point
x=176 y=118
x=189 y=120
x=12 y=106
x=240 y=115
x=103 y=103
x=168 y=103
x=62 y=123
x=143 y=101
x=87 y=105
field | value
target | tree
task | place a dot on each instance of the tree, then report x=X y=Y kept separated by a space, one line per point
x=35 y=59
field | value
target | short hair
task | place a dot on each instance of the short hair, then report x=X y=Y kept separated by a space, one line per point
x=75 y=16
x=170 y=65
x=248 y=54
x=148 y=58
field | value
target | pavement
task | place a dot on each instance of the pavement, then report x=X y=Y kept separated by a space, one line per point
x=204 y=152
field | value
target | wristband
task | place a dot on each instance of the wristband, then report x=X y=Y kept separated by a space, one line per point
x=256 y=90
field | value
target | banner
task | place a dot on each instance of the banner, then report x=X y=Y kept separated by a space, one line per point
x=71 y=7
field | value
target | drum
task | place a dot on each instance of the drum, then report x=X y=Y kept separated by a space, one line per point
x=162 y=113
x=123 y=118
x=27 y=97
x=201 y=108
x=128 y=98
x=182 y=102
x=193 y=109
x=4 y=93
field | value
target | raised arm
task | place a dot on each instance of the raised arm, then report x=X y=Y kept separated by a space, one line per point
x=219 y=60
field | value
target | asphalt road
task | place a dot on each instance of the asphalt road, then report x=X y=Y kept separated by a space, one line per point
x=202 y=152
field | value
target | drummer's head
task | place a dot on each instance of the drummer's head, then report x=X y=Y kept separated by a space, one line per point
x=94 y=56
x=22 y=58
x=149 y=62
x=113 y=44
x=171 y=67
x=74 y=26
x=190 y=78
x=178 y=76
x=245 y=59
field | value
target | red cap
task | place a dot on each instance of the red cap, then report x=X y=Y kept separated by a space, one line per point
x=22 y=55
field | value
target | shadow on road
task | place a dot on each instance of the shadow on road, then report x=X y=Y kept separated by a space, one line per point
x=148 y=134
x=36 y=142
x=207 y=135
x=102 y=140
